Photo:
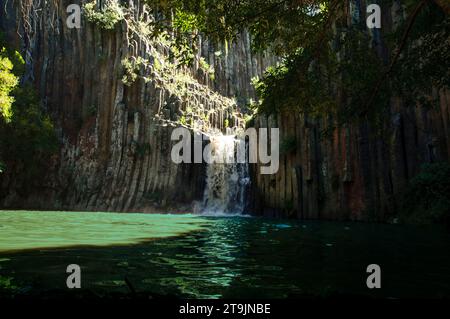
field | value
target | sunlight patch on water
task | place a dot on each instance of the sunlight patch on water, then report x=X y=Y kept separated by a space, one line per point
x=38 y=229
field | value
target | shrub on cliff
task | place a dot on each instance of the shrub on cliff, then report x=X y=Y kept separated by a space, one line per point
x=427 y=197
x=8 y=82
x=107 y=17
x=27 y=135
x=28 y=139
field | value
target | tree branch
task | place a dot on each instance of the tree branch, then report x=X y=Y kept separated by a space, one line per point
x=398 y=51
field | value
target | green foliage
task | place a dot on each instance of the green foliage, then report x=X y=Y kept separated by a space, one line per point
x=108 y=17
x=283 y=26
x=27 y=138
x=8 y=81
x=274 y=23
x=346 y=80
x=6 y=283
x=185 y=21
x=206 y=67
x=182 y=51
x=425 y=64
x=131 y=69
x=356 y=76
x=129 y=72
x=286 y=87
x=427 y=197
x=328 y=69
x=305 y=83
x=249 y=120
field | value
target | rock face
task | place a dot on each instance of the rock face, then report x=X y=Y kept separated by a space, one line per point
x=115 y=136
x=356 y=173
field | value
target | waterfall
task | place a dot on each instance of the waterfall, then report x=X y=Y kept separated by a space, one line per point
x=226 y=180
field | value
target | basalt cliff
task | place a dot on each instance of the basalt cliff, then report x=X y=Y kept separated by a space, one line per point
x=115 y=98
x=357 y=171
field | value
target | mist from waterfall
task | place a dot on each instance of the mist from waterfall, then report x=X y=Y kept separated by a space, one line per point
x=226 y=180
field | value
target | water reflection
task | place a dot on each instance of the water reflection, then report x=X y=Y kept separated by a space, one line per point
x=204 y=262
x=252 y=257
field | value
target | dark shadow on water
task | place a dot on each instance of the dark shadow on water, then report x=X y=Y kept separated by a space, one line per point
x=246 y=258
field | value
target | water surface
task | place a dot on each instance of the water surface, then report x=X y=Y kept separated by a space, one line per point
x=38 y=229
x=197 y=256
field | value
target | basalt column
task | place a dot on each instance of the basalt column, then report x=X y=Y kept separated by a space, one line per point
x=115 y=98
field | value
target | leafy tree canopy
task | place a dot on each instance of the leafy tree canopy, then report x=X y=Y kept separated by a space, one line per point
x=8 y=82
x=322 y=56
x=27 y=135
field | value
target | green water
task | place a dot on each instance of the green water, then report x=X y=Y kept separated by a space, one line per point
x=32 y=229
x=197 y=257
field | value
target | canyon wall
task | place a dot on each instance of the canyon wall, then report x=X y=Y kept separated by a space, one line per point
x=114 y=121
x=358 y=172
x=115 y=118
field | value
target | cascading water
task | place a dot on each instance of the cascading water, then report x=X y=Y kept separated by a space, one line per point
x=226 y=179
